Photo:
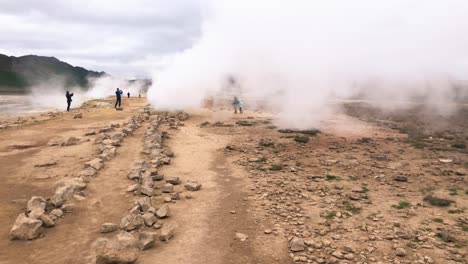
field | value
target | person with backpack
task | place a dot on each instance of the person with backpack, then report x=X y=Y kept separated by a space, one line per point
x=69 y=100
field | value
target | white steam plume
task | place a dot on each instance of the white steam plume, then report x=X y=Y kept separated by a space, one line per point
x=299 y=54
x=51 y=94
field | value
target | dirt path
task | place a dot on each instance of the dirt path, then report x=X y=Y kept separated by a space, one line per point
x=208 y=223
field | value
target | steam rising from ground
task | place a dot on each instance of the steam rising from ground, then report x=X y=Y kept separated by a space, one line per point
x=298 y=55
x=51 y=94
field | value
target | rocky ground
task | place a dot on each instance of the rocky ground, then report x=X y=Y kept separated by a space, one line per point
x=98 y=185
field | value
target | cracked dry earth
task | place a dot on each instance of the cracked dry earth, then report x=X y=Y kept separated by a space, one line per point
x=354 y=193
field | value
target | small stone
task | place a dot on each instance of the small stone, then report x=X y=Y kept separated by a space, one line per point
x=145 y=240
x=193 y=186
x=149 y=219
x=296 y=244
x=268 y=231
x=70 y=141
x=46 y=220
x=349 y=256
x=133 y=187
x=167 y=232
x=163 y=212
x=109 y=227
x=168 y=153
x=67 y=208
x=173 y=180
x=400 y=252
x=95 y=164
x=79 y=115
x=131 y=222
x=56 y=213
x=167 y=188
x=242 y=237
x=36 y=207
x=400 y=178
x=146 y=190
x=337 y=254
x=144 y=204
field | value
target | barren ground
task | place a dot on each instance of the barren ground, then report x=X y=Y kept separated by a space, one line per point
x=333 y=199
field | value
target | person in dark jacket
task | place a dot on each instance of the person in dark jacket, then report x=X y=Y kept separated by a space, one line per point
x=69 y=100
x=128 y=94
x=118 y=94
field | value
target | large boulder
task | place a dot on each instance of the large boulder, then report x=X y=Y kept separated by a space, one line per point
x=25 y=228
x=36 y=207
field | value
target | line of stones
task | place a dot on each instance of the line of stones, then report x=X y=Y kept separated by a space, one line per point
x=141 y=227
x=41 y=212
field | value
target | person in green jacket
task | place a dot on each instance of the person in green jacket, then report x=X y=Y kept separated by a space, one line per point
x=238 y=104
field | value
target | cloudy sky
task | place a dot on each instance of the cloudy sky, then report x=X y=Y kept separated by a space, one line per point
x=120 y=37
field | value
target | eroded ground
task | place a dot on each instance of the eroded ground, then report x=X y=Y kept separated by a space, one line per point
x=357 y=192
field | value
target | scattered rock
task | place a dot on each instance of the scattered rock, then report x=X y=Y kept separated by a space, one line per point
x=25 y=228
x=56 y=213
x=36 y=207
x=46 y=220
x=297 y=244
x=79 y=115
x=173 y=180
x=95 y=164
x=400 y=252
x=146 y=190
x=242 y=237
x=193 y=186
x=70 y=141
x=167 y=188
x=149 y=219
x=167 y=232
x=163 y=212
x=400 y=178
x=112 y=252
x=145 y=240
x=109 y=227
x=131 y=222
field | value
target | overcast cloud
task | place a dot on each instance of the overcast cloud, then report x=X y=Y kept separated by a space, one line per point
x=119 y=37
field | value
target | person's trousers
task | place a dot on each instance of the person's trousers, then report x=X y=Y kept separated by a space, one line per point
x=68 y=105
x=117 y=102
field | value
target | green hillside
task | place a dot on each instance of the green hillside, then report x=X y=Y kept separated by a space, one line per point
x=17 y=74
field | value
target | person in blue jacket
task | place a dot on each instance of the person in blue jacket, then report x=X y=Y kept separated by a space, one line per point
x=118 y=94
x=69 y=100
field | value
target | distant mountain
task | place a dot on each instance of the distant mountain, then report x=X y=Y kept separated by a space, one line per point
x=18 y=74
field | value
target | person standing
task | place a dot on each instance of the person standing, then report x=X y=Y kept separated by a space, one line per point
x=118 y=94
x=236 y=103
x=128 y=94
x=69 y=100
